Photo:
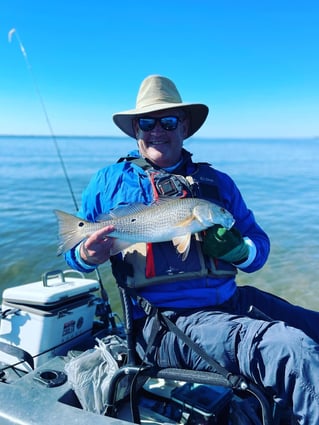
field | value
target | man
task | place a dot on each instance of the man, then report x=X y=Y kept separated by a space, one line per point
x=282 y=353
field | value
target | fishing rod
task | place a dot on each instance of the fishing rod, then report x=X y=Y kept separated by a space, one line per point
x=14 y=32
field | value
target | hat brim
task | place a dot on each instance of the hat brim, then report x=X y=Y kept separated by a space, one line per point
x=197 y=113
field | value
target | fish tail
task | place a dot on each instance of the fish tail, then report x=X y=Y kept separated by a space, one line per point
x=70 y=230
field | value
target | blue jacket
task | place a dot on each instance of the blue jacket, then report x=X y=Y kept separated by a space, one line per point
x=125 y=183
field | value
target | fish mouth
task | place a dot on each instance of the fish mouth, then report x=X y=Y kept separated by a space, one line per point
x=230 y=223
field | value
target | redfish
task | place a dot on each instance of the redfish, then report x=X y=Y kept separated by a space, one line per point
x=164 y=220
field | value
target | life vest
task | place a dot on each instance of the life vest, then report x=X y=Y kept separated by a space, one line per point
x=155 y=263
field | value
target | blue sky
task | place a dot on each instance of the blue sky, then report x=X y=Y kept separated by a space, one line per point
x=255 y=63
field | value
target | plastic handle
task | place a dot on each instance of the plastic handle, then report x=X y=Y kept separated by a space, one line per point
x=54 y=273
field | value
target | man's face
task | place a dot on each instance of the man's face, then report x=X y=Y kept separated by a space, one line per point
x=160 y=146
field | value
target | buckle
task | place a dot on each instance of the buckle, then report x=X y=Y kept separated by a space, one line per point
x=148 y=308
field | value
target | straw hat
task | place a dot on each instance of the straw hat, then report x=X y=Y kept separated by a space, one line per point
x=155 y=94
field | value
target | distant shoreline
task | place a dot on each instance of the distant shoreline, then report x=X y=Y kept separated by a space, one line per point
x=239 y=138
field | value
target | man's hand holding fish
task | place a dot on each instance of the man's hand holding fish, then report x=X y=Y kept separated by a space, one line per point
x=96 y=248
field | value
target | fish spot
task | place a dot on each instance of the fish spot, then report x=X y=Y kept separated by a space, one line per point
x=133 y=219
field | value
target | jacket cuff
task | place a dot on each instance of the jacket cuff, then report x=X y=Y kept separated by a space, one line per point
x=251 y=254
x=86 y=267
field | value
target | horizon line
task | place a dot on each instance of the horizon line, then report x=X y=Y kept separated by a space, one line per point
x=48 y=136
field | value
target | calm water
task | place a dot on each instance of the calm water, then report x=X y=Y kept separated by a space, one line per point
x=279 y=180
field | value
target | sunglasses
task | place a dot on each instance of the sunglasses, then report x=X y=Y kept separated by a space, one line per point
x=168 y=123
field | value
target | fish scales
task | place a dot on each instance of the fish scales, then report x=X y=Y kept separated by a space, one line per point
x=167 y=219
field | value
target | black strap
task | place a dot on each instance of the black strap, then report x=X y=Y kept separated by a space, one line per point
x=17 y=352
x=236 y=381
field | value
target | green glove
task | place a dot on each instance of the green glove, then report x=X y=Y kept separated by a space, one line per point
x=228 y=245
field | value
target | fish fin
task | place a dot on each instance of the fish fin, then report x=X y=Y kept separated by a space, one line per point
x=162 y=199
x=104 y=217
x=123 y=211
x=135 y=208
x=119 y=245
x=182 y=244
x=186 y=221
x=70 y=230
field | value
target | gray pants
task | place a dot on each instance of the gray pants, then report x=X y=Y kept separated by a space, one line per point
x=276 y=355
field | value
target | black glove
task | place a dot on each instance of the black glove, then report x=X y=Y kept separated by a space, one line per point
x=228 y=245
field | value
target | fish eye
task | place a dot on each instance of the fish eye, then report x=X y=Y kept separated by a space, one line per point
x=81 y=224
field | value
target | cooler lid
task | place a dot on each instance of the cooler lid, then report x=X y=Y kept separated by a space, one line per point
x=54 y=288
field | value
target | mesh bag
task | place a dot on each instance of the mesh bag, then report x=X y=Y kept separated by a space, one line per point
x=90 y=373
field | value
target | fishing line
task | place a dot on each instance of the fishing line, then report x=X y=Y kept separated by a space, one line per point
x=11 y=33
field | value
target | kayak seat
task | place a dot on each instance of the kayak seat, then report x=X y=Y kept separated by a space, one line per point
x=269 y=412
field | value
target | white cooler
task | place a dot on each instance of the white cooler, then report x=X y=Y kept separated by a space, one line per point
x=46 y=318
